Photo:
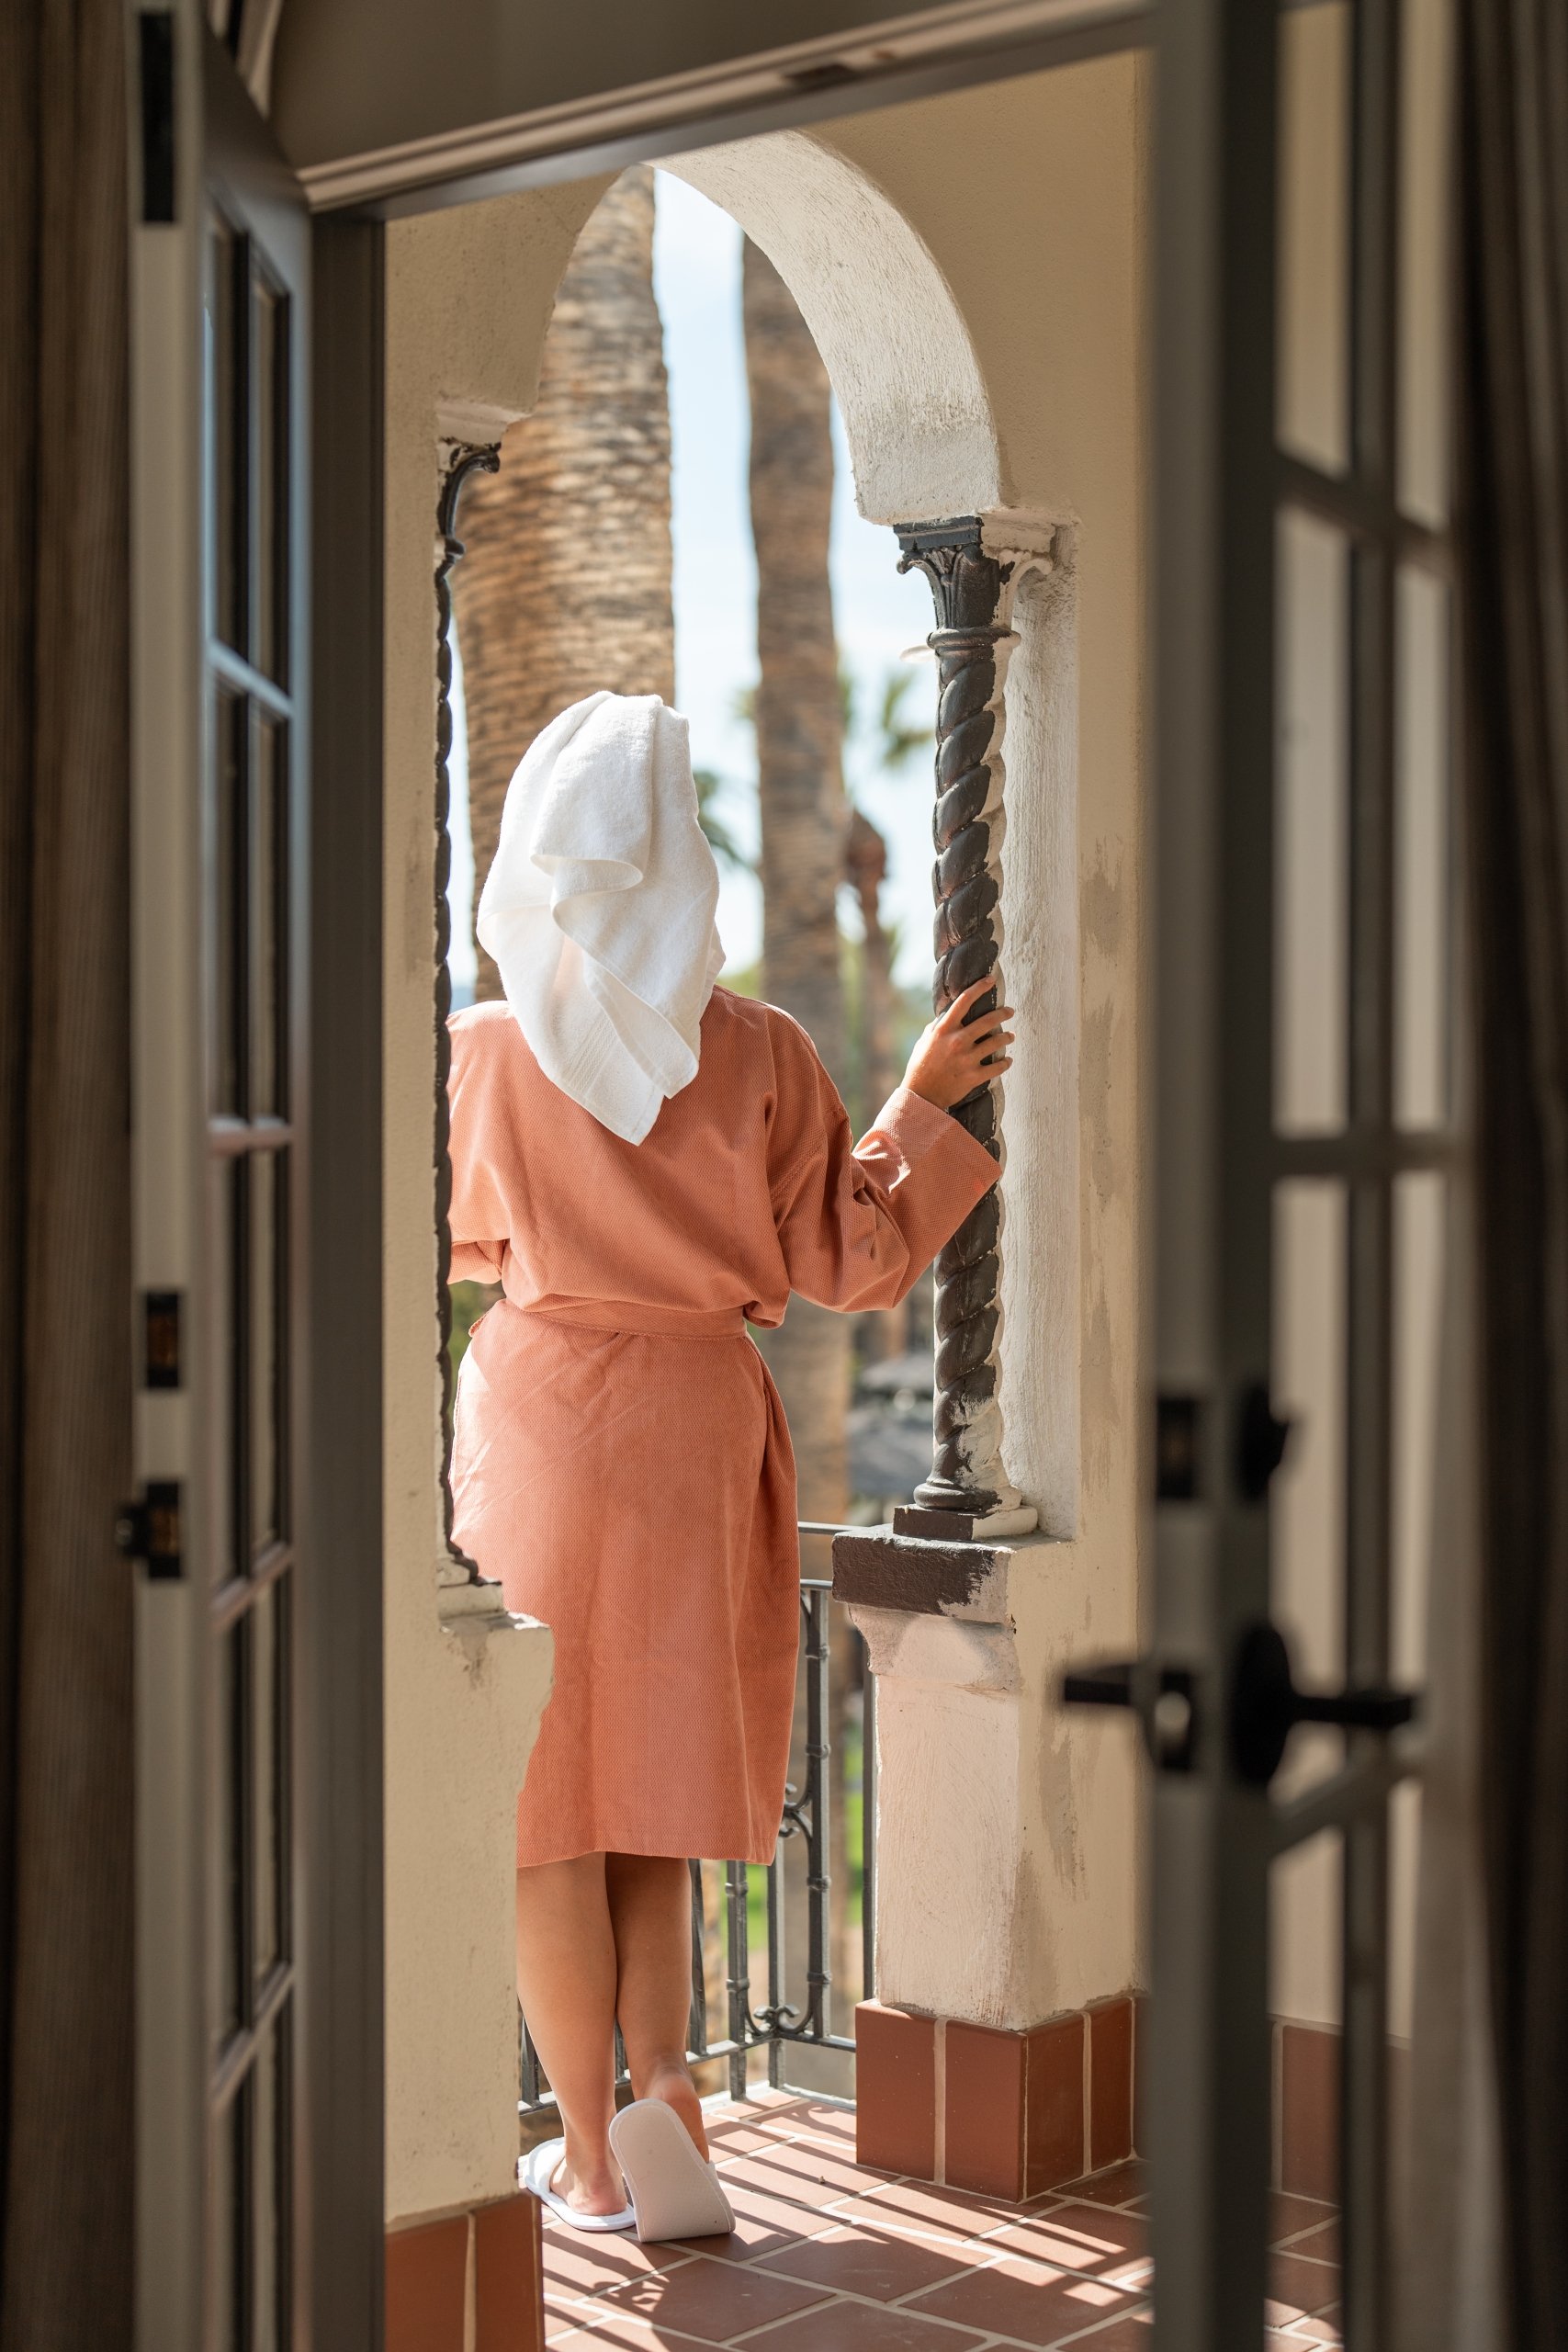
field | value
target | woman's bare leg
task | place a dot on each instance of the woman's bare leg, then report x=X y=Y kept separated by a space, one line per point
x=566 y=1982
x=651 y=1915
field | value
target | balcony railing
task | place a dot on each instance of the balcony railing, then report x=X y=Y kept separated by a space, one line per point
x=778 y=2024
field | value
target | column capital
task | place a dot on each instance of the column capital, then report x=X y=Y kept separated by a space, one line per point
x=967 y=582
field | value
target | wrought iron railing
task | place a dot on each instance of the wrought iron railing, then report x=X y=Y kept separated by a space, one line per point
x=778 y=2024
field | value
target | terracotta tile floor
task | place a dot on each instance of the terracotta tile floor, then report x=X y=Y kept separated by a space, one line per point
x=828 y=2257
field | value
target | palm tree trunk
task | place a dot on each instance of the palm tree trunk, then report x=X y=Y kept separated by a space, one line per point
x=567 y=584
x=799 y=715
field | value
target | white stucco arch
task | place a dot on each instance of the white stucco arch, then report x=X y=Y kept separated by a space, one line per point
x=896 y=344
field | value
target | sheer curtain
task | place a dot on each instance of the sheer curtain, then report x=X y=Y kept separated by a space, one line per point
x=65 y=1665
x=1513 y=75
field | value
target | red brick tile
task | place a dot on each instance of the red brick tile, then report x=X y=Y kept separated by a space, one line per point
x=740 y=2135
x=509 y=2309
x=895 y=2089
x=1306 y=2287
x=862 y=2327
x=1140 y=2066
x=1054 y=2146
x=814 y=2172
x=578 y=2262
x=1322 y=2330
x=713 y=2301
x=1117 y=2187
x=882 y=2264
x=984 y=2105
x=1309 y=2111
x=762 y=2224
x=1133 y=2334
x=1027 y=2300
x=1109 y=2082
x=426 y=2283
x=1078 y=2237
x=820 y=2118
x=622 y=2330
x=1288 y=2216
x=911 y=2206
x=1321 y=2244
x=1136 y=2276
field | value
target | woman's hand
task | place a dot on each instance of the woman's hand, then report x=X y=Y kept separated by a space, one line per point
x=951 y=1060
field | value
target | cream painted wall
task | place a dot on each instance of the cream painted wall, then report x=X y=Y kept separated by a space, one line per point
x=467 y=297
x=1010 y=1872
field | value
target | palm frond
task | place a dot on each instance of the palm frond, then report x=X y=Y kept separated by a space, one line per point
x=719 y=838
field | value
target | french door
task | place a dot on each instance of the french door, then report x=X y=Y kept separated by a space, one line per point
x=220 y=923
x=1306 y=1135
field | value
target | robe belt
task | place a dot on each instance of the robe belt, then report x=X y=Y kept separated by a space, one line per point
x=641 y=1321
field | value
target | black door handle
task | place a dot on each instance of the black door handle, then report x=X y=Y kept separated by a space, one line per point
x=1105 y=1686
x=1161 y=1697
x=1265 y=1705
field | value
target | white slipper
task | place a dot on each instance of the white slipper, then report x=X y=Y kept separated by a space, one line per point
x=674 y=2193
x=537 y=2171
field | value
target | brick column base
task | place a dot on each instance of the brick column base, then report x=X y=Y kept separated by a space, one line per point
x=488 y=2261
x=1004 y=2113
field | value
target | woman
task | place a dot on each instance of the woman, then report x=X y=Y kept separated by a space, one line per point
x=649 y=1163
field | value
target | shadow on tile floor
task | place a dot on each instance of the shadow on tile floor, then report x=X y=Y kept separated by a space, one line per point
x=829 y=2256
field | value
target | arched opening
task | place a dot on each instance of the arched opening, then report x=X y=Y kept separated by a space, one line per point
x=968 y=1711
x=590 y=465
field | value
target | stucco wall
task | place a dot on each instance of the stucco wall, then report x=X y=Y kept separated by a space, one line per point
x=468 y=298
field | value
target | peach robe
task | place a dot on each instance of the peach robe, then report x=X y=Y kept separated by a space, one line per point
x=621 y=1462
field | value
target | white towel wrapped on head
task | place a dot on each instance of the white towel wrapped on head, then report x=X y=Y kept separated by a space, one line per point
x=599 y=907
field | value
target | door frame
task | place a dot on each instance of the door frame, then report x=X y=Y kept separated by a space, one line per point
x=340 y=1649
x=344 y=1932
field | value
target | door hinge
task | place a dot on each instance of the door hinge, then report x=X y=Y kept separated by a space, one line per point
x=161 y=1366
x=151 y=1530
x=155 y=28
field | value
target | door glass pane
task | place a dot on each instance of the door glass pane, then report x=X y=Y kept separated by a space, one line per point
x=1424 y=365
x=226 y=427
x=1315 y=181
x=232 y=1778
x=269 y=908
x=1423 y=983
x=271 y=321
x=1306 y=2007
x=267 y=1208
x=1306 y=1500
x=268 y=1643
x=1311 y=855
x=226 y=1043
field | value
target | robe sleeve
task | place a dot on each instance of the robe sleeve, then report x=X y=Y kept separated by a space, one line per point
x=477 y=1218
x=860 y=1223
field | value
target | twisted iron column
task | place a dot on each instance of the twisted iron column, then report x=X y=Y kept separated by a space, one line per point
x=463 y=459
x=967 y=1493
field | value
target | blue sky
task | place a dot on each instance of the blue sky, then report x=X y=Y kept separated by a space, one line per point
x=696 y=267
